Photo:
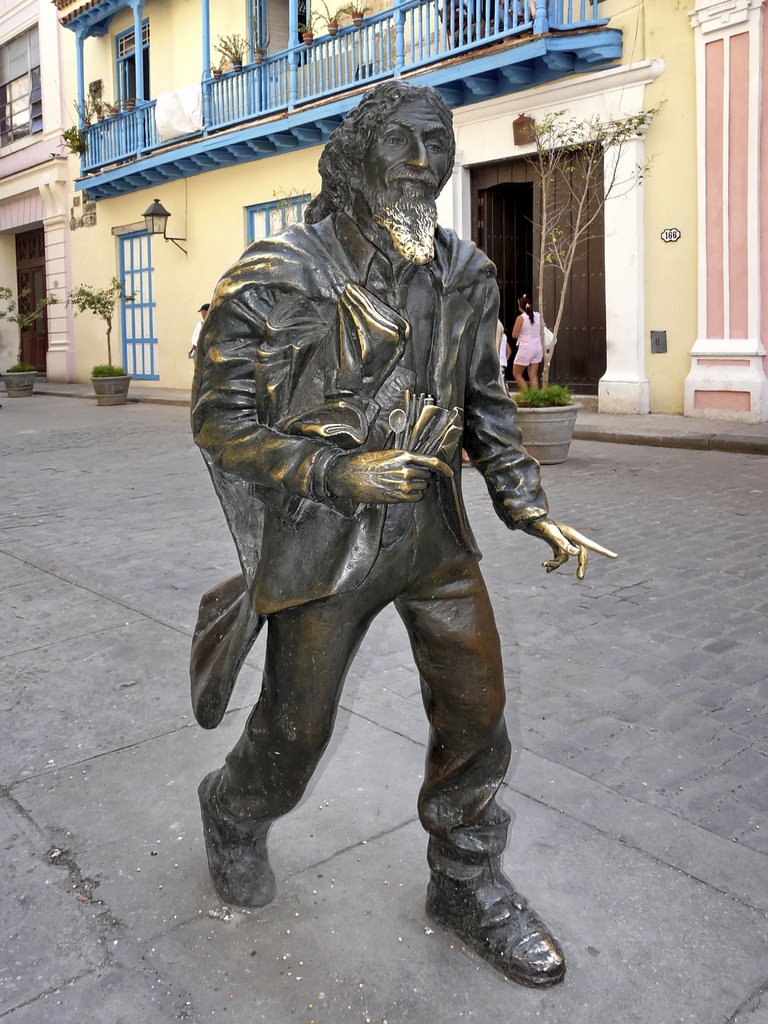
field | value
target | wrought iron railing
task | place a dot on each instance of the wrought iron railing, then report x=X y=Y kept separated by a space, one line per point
x=411 y=34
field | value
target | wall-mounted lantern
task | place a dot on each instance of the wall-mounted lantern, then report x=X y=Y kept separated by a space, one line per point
x=524 y=130
x=156 y=219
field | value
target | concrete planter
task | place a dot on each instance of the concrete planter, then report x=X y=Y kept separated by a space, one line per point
x=547 y=432
x=20 y=385
x=111 y=390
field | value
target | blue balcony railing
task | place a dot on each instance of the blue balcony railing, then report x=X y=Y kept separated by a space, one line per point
x=410 y=35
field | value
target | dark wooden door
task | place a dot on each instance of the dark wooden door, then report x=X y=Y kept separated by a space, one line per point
x=499 y=203
x=505 y=234
x=30 y=274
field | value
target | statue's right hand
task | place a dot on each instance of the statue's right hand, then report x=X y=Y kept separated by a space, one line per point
x=384 y=476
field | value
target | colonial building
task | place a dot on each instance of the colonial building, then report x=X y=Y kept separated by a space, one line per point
x=34 y=183
x=231 y=151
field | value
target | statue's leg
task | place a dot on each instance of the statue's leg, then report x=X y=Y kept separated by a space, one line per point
x=456 y=646
x=309 y=650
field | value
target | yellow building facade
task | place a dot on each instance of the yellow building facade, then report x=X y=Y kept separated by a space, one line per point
x=250 y=159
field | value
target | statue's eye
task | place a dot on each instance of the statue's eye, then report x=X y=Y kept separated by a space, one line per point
x=394 y=139
x=435 y=146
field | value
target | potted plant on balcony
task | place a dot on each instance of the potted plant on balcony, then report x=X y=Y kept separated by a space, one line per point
x=546 y=418
x=110 y=383
x=307 y=29
x=74 y=140
x=233 y=49
x=260 y=38
x=331 y=20
x=217 y=69
x=20 y=378
x=357 y=12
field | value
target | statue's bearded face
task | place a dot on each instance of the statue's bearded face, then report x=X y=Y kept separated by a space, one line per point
x=401 y=173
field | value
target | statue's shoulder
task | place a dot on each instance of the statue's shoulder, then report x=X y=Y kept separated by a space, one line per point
x=294 y=258
x=462 y=263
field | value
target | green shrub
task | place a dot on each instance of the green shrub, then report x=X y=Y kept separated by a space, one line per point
x=107 y=370
x=555 y=394
x=21 y=368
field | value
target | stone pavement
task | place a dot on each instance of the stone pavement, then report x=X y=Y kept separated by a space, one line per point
x=656 y=430
x=638 y=700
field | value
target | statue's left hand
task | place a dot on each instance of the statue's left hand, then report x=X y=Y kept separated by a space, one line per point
x=566 y=543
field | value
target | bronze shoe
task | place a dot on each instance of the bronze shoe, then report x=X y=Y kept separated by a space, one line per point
x=237 y=854
x=494 y=920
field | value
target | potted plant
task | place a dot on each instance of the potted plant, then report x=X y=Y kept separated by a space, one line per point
x=129 y=103
x=260 y=38
x=307 y=29
x=20 y=378
x=110 y=383
x=233 y=49
x=331 y=20
x=74 y=140
x=217 y=69
x=110 y=110
x=546 y=418
x=357 y=13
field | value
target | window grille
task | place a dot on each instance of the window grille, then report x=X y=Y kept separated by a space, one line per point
x=265 y=219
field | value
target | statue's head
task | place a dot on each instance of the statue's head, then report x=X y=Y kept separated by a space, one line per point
x=396 y=150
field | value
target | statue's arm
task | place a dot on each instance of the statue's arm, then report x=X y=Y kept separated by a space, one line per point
x=494 y=443
x=491 y=436
x=229 y=420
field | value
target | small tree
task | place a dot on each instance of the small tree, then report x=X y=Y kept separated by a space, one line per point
x=24 y=318
x=583 y=160
x=101 y=302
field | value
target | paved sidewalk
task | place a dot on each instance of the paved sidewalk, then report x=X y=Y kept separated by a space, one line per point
x=638 y=702
x=657 y=430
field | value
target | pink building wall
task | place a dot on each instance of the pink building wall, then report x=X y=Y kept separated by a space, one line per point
x=729 y=365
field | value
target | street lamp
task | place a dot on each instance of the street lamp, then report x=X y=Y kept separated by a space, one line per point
x=156 y=219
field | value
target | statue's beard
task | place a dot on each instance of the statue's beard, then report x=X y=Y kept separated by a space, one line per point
x=411 y=221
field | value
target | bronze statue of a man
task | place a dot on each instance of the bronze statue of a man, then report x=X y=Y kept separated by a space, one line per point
x=343 y=365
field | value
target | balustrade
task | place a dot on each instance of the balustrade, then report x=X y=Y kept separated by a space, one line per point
x=410 y=34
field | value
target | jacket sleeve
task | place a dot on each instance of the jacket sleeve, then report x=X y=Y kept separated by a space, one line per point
x=242 y=377
x=491 y=436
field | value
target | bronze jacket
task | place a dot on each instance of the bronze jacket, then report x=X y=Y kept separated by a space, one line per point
x=257 y=363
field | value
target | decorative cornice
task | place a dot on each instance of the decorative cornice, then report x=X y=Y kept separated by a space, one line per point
x=722 y=15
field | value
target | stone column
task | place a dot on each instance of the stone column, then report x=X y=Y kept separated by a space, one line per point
x=60 y=359
x=727 y=379
x=624 y=388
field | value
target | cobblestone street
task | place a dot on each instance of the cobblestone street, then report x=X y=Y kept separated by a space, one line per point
x=638 y=700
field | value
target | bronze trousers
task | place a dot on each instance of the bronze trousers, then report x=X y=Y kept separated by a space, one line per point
x=438 y=591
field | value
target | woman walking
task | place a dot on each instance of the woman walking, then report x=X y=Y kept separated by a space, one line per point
x=527 y=333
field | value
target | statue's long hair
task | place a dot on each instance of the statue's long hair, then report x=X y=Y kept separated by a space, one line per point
x=342 y=157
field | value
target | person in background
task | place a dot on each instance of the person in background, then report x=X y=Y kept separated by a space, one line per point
x=203 y=311
x=527 y=333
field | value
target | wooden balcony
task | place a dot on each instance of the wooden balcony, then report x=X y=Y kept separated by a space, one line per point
x=470 y=50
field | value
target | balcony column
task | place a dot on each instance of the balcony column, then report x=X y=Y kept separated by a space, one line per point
x=80 y=41
x=399 y=19
x=540 y=19
x=206 y=78
x=138 y=56
x=293 y=64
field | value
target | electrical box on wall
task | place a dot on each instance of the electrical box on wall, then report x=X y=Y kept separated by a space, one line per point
x=658 y=341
